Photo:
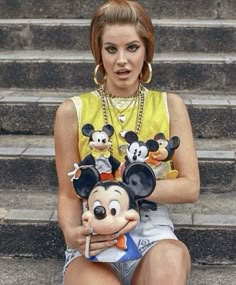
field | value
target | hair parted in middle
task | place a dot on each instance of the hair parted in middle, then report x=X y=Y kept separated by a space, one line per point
x=122 y=12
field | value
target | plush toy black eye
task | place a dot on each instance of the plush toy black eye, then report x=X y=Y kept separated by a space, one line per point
x=114 y=207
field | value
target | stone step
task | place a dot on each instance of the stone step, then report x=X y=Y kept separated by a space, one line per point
x=211 y=36
x=208 y=228
x=28 y=162
x=209 y=204
x=60 y=69
x=211 y=9
x=33 y=112
x=33 y=271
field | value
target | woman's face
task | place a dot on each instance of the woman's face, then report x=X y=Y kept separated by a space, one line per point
x=123 y=54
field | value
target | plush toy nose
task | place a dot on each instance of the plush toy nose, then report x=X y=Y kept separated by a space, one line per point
x=100 y=212
x=135 y=157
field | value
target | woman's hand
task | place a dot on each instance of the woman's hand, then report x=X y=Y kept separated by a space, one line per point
x=95 y=243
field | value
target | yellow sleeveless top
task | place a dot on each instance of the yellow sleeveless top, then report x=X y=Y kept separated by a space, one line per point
x=155 y=119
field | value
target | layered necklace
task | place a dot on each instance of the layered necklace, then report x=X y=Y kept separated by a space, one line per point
x=110 y=102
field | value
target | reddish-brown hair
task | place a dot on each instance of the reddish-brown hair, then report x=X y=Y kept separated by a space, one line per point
x=122 y=12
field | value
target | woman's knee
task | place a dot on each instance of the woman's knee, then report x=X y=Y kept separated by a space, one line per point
x=81 y=271
x=171 y=251
x=165 y=259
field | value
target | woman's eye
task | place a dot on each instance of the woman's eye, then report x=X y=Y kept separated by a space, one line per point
x=110 y=49
x=133 y=48
x=115 y=208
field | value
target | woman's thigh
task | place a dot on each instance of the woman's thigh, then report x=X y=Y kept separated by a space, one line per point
x=167 y=262
x=83 y=272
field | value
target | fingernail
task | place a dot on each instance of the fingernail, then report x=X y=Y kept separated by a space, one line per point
x=115 y=235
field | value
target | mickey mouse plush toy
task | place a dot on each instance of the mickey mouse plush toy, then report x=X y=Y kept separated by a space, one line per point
x=100 y=156
x=137 y=150
x=112 y=207
x=159 y=160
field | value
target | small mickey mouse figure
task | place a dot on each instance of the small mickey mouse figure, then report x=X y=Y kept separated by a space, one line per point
x=113 y=208
x=159 y=160
x=100 y=156
x=137 y=150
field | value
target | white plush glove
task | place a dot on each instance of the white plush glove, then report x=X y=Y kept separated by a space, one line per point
x=72 y=173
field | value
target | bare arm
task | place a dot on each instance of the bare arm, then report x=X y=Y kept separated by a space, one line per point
x=185 y=188
x=66 y=150
x=69 y=205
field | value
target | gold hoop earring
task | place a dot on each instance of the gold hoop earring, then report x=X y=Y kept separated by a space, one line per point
x=149 y=71
x=95 y=75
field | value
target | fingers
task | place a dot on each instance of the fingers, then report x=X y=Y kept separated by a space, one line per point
x=86 y=231
x=95 y=248
x=91 y=244
x=94 y=244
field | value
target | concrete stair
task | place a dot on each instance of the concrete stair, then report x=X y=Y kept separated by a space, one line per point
x=60 y=69
x=172 y=35
x=45 y=58
x=211 y=9
x=29 y=271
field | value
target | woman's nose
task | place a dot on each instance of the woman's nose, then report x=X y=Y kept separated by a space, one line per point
x=122 y=59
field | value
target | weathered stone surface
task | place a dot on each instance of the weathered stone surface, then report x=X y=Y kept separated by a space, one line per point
x=43 y=240
x=210 y=246
x=217 y=176
x=85 y=8
x=39 y=172
x=30 y=215
x=46 y=75
x=33 y=271
x=195 y=39
x=31 y=118
x=172 y=36
x=170 y=75
x=217 y=275
x=34 y=115
x=210 y=121
x=30 y=271
x=28 y=172
x=32 y=200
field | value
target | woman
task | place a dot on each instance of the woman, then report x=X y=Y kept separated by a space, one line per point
x=122 y=41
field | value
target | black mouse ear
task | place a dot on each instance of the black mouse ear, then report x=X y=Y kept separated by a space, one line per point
x=87 y=130
x=130 y=137
x=140 y=178
x=152 y=145
x=174 y=142
x=86 y=181
x=159 y=136
x=108 y=129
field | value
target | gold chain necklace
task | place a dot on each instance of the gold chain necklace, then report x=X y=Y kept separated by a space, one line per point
x=106 y=108
x=121 y=113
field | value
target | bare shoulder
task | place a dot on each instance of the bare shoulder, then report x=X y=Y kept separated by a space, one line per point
x=66 y=118
x=175 y=100
x=176 y=106
x=66 y=110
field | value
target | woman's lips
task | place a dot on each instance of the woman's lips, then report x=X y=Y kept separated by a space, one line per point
x=123 y=73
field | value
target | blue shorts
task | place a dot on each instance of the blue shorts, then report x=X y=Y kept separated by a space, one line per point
x=153 y=227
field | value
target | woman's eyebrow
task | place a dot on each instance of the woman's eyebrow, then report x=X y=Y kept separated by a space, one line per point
x=129 y=43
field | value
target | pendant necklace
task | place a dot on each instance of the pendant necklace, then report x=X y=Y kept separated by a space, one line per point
x=107 y=104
